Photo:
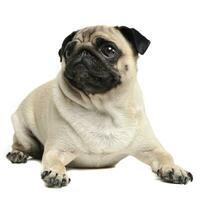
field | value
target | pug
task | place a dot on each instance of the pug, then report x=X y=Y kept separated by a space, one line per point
x=92 y=114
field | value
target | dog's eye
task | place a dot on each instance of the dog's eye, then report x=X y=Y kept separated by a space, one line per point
x=67 y=53
x=69 y=48
x=108 y=51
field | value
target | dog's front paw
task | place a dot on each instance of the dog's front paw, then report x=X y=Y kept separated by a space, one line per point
x=17 y=156
x=54 y=179
x=174 y=174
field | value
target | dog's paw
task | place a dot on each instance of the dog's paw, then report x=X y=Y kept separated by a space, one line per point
x=174 y=174
x=53 y=179
x=17 y=156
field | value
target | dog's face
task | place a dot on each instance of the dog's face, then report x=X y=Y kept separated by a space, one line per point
x=98 y=59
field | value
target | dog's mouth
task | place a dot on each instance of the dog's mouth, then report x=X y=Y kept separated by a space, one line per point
x=90 y=74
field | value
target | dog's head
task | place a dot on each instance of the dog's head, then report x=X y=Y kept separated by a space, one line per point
x=100 y=58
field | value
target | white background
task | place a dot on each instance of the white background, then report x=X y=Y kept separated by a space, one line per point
x=31 y=33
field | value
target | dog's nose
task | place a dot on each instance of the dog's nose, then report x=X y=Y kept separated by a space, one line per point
x=84 y=53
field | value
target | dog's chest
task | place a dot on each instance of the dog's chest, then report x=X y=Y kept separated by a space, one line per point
x=101 y=133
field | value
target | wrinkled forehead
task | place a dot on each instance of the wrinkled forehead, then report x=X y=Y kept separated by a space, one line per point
x=89 y=34
x=109 y=33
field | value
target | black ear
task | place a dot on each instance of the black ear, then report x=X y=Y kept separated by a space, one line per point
x=136 y=39
x=65 y=42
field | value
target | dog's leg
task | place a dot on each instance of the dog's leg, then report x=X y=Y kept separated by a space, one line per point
x=147 y=148
x=24 y=143
x=54 y=161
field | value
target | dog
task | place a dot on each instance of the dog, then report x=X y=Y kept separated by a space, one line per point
x=92 y=114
